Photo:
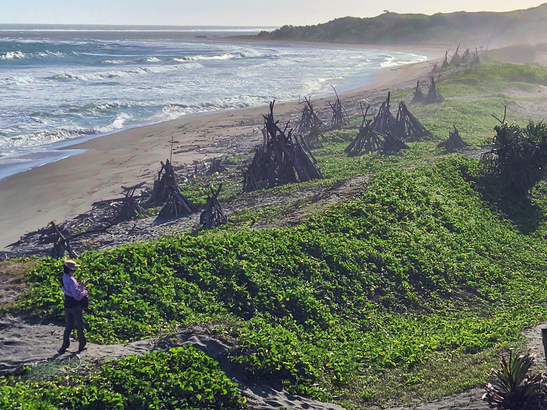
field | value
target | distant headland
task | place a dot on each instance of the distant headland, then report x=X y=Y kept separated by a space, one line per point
x=494 y=28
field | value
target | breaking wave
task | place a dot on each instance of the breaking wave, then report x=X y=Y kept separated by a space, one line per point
x=12 y=55
x=224 y=56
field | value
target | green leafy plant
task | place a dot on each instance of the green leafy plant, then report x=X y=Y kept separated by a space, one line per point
x=519 y=156
x=512 y=387
x=183 y=377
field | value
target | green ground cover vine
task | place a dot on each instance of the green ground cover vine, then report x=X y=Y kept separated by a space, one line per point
x=183 y=378
x=417 y=266
x=429 y=262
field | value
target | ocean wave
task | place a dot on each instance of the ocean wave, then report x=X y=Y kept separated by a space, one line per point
x=391 y=61
x=41 y=138
x=48 y=53
x=20 y=55
x=225 y=56
x=108 y=75
x=151 y=60
x=114 y=62
x=12 y=55
x=118 y=123
x=16 y=81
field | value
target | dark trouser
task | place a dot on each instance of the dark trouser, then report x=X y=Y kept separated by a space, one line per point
x=74 y=317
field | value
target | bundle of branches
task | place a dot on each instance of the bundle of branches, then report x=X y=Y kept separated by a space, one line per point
x=476 y=59
x=418 y=94
x=176 y=205
x=456 y=59
x=62 y=242
x=339 y=114
x=407 y=127
x=366 y=140
x=213 y=216
x=310 y=125
x=467 y=57
x=280 y=159
x=454 y=141
x=433 y=95
x=216 y=166
x=445 y=61
x=392 y=144
x=384 y=120
x=129 y=207
x=166 y=179
x=519 y=156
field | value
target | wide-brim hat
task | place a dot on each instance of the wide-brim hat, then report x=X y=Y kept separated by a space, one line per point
x=70 y=264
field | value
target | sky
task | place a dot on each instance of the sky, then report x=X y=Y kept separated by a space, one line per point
x=265 y=13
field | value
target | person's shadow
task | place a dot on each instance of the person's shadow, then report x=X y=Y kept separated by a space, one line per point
x=66 y=355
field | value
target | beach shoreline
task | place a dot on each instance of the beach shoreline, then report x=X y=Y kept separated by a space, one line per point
x=67 y=187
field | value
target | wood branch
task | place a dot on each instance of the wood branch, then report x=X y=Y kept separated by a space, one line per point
x=133 y=187
x=109 y=201
x=61 y=245
x=93 y=230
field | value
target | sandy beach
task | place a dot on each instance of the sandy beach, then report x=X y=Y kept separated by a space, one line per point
x=63 y=189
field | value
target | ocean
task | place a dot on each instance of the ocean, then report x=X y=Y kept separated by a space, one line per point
x=64 y=84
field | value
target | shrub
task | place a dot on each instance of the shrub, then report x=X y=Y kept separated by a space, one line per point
x=519 y=156
x=512 y=388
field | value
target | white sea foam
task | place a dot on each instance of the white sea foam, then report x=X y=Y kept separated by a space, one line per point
x=118 y=123
x=12 y=55
x=224 y=56
x=114 y=62
x=16 y=81
x=29 y=140
x=48 y=53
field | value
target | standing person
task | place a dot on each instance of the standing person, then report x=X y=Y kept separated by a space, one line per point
x=74 y=293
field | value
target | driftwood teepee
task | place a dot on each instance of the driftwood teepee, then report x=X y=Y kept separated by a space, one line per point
x=454 y=141
x=339 y=114
x=456 y=59
x=407 y=127
x=392 y=144
x=433 y=95
x=176 y=205
x=467 y=57
x=418 y=94
x=216 y=166
x=167 y=192
x=281 y=159
x=213 y=216
x=310 y=125
x=130 y=207
x=446 y=64
x=366 y=140
x=384 y=120
x=476 y=60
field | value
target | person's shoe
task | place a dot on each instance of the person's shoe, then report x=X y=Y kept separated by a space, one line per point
x=81 y=349
x=61 y=351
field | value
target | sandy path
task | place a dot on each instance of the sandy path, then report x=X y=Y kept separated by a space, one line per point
x=33 y=343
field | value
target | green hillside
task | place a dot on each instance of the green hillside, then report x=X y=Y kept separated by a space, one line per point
x=514 y=27
x=408 y=290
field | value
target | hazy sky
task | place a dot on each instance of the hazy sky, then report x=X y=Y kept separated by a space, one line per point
x=230 y=12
